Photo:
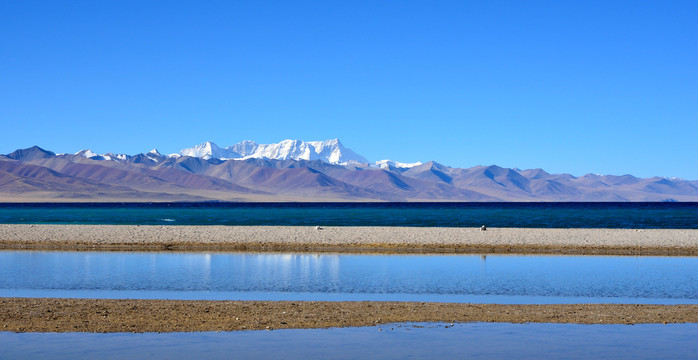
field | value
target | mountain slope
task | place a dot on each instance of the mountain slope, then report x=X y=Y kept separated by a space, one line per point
x=33 y=182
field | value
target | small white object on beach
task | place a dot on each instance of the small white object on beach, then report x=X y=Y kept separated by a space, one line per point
x=318 y=227
x=483 y=228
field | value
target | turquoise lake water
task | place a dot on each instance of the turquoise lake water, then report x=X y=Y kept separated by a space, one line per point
x=542 y=215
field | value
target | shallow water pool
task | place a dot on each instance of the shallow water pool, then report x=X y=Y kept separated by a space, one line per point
x=396 y=341
x=339 y=277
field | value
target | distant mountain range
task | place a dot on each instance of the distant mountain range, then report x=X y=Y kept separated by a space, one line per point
x=294 y=170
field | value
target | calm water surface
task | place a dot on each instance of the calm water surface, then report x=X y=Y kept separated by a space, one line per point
x=448 y=278
x=399 y=341
x=541 y=215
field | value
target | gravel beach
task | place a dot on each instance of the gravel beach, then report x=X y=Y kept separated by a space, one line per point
x=101 y=315
x=351 y=239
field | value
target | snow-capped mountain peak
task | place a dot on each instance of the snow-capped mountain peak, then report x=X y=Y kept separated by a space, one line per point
x=204 y=150
x=385 y=164
x=244 y=147
x=86 y=153
x=115 y=157
x=155 y=152
x=208 y=150
x=336 y=153
x=331 y=151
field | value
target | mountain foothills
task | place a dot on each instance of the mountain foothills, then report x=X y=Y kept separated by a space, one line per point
x=294 y=170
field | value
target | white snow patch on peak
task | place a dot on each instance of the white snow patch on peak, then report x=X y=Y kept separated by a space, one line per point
x=209 y=150
x=115 y=157
x=244 y=148
x=86 y=153
x=384 y=164
x=154 y=155
x=331 y=151
x=154 y=152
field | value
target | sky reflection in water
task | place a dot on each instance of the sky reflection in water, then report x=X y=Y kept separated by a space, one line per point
x=458 y=278
x=396 y=341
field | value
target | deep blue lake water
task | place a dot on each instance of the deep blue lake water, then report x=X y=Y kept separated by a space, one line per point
x=340 y=277
x=540 y=215
x=397 y=341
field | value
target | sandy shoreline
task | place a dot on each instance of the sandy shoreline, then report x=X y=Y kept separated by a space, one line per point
x=100 y=315
x=351 y=239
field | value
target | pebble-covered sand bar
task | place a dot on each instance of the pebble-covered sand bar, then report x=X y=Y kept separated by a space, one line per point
x=102 y=315
x=351 y=239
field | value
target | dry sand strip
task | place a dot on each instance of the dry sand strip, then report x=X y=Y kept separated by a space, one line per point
x=351 y=239
x=99 y=315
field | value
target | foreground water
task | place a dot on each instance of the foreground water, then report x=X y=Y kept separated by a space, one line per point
x=441 y=278
x=541 y=215
x=398 y=341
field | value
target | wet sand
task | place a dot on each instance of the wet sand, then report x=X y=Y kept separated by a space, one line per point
x=90 y=315
x=351 y=239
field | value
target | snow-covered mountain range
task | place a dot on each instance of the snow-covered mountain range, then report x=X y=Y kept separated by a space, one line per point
x=294 y=170
x=331 y=151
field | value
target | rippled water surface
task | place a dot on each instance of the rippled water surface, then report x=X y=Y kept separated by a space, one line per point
x=399 y=341
x=249 y=276
x=540 y=215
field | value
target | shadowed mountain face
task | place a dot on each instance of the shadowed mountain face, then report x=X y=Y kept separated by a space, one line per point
x=29 y=154
x=35 y=174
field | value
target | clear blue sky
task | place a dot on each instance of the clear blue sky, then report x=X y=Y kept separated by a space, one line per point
x=568 y=86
